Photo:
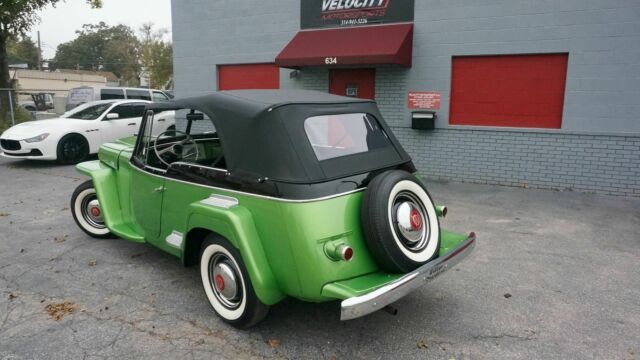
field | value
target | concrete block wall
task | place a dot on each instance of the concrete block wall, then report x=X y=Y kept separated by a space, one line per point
x=599 y=164
x=602 y=38
x=597 y=148
x=605 y=164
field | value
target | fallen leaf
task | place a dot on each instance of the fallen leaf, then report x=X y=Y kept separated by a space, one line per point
x=21 y=251
x=199 y=342
x=3 y=214
x=507 y=295
x=64 y=209
x=60 y=238
x=92 y=262
x=59 y=310
x=422 y=344
x=12 y=296
x=273 y=343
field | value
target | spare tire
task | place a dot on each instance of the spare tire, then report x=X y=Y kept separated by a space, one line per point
x=400 y=224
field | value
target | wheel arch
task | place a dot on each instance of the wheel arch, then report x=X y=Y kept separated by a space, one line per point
x=236 y=226
x=105 y=181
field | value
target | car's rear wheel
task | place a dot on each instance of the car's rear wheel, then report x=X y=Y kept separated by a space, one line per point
x=72 y=149
x=227 y=284
x=399 y=219
x=86 y=211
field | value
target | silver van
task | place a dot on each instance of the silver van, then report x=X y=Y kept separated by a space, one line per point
x=84 y=94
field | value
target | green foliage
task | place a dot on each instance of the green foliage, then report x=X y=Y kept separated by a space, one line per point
x=102 y=47
x=156 y=56
x=117 y=49
x=22 y=51
x=21 y=115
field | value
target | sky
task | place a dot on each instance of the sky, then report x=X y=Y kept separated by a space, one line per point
x=58 y=25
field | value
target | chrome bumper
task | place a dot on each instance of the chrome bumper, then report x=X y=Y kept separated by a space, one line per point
x=358 y=306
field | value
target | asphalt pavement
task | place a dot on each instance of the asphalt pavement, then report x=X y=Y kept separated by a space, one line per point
x=555 y=275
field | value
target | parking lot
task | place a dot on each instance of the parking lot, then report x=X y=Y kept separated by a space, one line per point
x=554 y=275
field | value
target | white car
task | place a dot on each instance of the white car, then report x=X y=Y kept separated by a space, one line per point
x=79 y=132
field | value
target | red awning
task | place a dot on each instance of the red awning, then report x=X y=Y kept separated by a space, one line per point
x=366 y=45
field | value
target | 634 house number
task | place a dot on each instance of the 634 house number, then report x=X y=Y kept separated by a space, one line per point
x=331 y=60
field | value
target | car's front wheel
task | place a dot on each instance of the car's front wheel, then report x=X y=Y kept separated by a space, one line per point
x=227 y=284
x=72 y=149
x=86 y=211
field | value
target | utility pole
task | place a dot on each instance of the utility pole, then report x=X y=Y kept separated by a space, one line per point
x=39 y=53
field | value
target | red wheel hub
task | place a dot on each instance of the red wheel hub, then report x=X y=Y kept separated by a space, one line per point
x=416 y=219
x=95 y=211
x=219 y=282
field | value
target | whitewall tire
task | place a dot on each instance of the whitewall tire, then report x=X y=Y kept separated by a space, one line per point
x=227 y=285
x=86 y=211
x=399 y=221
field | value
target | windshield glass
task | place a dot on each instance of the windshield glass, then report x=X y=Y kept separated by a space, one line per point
x=333 y=136
x=87 y=112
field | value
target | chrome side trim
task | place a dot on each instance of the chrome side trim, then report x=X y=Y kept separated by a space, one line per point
x=249 y=194
x=221 y=201
x=358 y=306
x=175 y=239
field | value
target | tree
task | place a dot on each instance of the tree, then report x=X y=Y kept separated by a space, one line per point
x=102 y=47
x=16 y=19
x=156 y=55
x=22 y=51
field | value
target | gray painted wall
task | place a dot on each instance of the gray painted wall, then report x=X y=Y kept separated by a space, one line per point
x=597 y=149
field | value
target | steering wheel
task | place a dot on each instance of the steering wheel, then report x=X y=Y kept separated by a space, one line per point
x=186 y=149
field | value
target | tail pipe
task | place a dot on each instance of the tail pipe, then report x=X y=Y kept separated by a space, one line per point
x=441 y=210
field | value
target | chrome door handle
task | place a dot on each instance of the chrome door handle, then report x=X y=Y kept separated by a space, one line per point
x=160 y=120
x=159 y=189
x=132 y=124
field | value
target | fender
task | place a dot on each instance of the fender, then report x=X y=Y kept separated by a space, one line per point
x=106 y=185
x=236 y=225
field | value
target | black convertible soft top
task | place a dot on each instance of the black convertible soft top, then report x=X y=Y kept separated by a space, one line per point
x=262 y=133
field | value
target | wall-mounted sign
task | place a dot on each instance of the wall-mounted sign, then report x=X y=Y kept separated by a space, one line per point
x=424 y=100
x=352 y=90
x=339 y=13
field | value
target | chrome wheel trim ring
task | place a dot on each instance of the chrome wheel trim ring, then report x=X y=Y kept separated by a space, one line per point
x=230 y=293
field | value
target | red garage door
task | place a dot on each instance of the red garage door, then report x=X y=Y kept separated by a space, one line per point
x=248 y=76
x=508 y=90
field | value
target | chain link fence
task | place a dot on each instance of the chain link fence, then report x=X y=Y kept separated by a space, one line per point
x=20 y=105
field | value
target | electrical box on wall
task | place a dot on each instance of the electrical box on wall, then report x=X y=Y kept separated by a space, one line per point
x=423 y=120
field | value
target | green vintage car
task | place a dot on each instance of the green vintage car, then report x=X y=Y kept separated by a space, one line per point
x=274 y=194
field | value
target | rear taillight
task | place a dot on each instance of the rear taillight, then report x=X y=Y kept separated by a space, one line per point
x=346 y=252
x=338 y=251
